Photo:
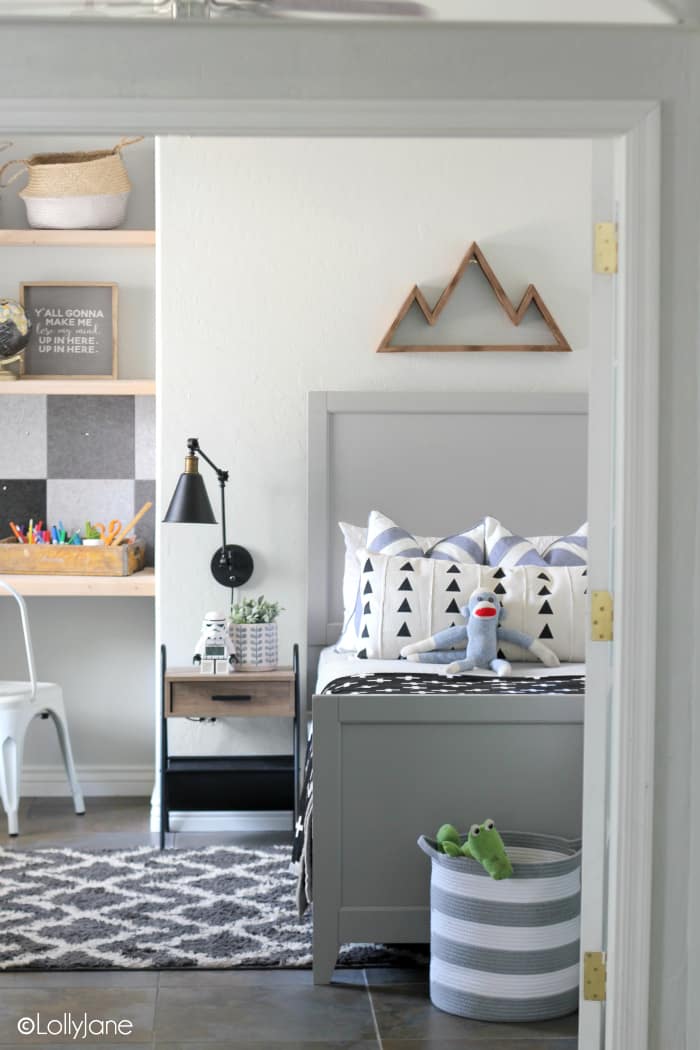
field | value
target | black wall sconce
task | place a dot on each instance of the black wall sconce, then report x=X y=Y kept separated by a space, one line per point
x=231 y=565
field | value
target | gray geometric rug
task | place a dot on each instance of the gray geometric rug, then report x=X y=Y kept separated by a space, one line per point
x=223 y=907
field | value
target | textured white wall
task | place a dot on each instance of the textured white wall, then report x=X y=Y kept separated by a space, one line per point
x=281 y=264
x=99 y=650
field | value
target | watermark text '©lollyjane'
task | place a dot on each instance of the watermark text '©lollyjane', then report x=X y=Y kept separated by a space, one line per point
x=75 y=1026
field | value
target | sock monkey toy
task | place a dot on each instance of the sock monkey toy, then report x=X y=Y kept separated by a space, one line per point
x=476 y=642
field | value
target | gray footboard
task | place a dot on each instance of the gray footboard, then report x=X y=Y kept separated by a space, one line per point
x=389 y=768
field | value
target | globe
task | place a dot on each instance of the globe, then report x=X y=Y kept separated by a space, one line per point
x=14 y=328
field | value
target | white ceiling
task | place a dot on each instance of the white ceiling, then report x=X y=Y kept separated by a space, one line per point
x=628 y=11
x=552 y=11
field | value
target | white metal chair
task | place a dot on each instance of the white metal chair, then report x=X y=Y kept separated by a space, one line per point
x=20 y=703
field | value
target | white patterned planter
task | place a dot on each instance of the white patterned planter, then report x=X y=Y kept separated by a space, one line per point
x=256 y=646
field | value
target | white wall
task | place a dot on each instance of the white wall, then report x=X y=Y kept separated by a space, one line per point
x=99 y=649
x=281 y=265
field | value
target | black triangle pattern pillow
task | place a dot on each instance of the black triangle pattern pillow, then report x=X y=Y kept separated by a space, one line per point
x=406 y=600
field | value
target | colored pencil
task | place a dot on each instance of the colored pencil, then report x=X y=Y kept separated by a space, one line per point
x=134 y=521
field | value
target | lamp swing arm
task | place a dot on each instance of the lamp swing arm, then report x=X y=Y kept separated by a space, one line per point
x=196 y=449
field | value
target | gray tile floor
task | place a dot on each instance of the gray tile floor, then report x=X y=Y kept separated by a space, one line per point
x=241 y=1010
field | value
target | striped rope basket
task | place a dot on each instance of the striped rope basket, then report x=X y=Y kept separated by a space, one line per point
x=506 y=950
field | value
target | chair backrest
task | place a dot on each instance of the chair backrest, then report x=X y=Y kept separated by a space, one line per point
x=27 y=636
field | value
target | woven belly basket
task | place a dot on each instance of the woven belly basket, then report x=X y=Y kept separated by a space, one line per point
x=506 y=950
x=83 y=190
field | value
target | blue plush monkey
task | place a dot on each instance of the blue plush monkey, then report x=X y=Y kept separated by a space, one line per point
x=482 y=635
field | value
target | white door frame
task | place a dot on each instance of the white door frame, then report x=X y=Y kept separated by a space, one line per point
x=636 y=126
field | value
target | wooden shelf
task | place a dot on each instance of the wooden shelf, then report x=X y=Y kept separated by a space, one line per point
x=77 y=238
x=99 y=387
x=139 y=585
x=514 y=313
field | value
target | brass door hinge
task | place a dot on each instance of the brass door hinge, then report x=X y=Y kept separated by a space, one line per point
x=601 y=616
x=605 y=255
x=594 y=976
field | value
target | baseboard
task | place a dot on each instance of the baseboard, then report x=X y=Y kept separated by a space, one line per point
x=51 y=781
x=225 y=820
x=138 y=781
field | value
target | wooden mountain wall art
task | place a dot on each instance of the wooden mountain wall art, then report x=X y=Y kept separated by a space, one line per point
x=515 y=314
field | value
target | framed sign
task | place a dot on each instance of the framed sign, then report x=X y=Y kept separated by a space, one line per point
x=74 y=330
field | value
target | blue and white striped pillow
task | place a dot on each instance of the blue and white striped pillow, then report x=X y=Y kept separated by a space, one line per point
x=507 y=550
x=384 y=536
x=569 y=550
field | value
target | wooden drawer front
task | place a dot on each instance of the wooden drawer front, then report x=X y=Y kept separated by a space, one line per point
x=248 y=699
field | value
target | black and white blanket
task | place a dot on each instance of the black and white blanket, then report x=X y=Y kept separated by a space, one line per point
x=406 y=684
x=474 y=684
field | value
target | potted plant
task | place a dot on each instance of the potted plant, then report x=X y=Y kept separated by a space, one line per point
x=253 y=629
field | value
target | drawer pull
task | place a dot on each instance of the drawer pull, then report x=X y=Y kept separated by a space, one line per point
x=236 y=697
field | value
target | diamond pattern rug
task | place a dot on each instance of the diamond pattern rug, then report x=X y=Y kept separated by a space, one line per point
x=221 y=907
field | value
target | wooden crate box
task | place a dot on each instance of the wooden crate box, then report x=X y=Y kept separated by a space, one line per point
x=67 y=560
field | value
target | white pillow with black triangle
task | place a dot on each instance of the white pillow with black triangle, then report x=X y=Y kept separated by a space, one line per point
x=406 y=599
x=549 y=604
x=384 y=536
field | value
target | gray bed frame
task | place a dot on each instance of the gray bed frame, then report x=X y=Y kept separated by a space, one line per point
x=388 y=768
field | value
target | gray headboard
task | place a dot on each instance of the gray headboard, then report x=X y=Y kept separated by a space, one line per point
x=436 y=463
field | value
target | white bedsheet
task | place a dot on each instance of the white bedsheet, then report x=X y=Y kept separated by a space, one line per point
x=333 y=665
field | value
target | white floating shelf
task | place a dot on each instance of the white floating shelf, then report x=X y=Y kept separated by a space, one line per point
x=138 y=585
x=77 y=238
x=96 y=387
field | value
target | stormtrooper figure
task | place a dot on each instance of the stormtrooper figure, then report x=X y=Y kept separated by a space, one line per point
x=214 y=653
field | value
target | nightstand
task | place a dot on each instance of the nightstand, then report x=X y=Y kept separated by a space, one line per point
x=246 y=782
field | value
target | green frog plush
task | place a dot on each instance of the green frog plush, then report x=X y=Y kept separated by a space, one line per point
x=483 y=844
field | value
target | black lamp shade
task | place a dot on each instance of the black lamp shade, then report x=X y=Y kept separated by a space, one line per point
x=190 y=503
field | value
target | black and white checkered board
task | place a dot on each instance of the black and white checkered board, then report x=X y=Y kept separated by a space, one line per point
x=398 y=682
